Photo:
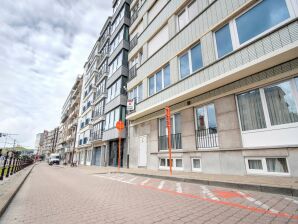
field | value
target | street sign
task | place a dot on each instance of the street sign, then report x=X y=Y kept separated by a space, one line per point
x=168 y=120
x=120 y=125
x=130 y=104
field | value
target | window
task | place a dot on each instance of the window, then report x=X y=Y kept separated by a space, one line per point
x=118 y=20
x=187 y=14
x=136 y=93
x=191 y=61
x=206 y=127
x=251 y=111
x=278 y=103
x=123 y=34
x=268 y=165
x=196 y=164
x=175 y=133
x=262 y=17
x=113 y=116
x=118 y=62
x=159 y=80
x=158 y=40
x=114 y=90
x=223 y=41
x=177 y=163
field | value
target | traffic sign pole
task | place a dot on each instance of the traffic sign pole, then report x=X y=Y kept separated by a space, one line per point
x=168 y=119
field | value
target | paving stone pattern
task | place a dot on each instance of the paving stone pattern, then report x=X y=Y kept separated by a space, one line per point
x=70 y=195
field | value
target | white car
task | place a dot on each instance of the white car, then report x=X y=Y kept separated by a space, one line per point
x=54 y=159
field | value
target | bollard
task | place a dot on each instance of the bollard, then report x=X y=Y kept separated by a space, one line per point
x=9 y=165
x=13 y=163
x=17 y=164
x=4 y=167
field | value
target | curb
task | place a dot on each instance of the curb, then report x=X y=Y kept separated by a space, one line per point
x=15 y=191
x=251 y=187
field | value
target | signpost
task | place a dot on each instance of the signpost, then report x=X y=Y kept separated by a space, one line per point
x=168 y=120
x=130 y=104
x=120 y=127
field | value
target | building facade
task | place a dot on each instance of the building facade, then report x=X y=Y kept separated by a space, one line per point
x=39 y=142
x=69 y=123
x=228 y=70
x=50 y=140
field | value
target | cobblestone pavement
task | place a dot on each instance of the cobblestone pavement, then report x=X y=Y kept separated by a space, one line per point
x=70 y=195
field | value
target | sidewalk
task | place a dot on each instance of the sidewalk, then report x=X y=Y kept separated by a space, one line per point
x=10 y=186
x=271 y=184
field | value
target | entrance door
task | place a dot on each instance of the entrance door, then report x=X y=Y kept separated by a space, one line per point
x=97 y=156
x=143 y=151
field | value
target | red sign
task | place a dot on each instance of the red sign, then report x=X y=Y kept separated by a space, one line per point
x=120 y=125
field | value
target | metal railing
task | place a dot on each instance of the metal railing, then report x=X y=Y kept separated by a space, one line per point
x=175 y=141
x=132 y=72
x=133 y=42
x=96 y=135
x=13 y=162
x=207 y=138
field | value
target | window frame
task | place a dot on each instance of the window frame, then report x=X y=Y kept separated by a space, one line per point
x=293 y=12
x=265 y=171
x=162 y=80
x=190 y=60
x=174 y=163
x=186 y=10
x=269 y=126
x=193 y=169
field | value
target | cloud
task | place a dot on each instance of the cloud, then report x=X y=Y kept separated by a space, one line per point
x=44 y=45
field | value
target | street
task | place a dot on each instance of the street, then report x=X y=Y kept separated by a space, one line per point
x=73 y=195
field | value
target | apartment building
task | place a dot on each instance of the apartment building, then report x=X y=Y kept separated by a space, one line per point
x=49 y=144
x=228 y=70
x=69 y=123
x=115 y=105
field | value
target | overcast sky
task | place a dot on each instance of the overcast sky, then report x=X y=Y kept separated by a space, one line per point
x=43 y=47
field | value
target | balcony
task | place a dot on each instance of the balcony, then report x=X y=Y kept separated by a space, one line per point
x=207 y=138
x=133 y=42
x=132 y=72
x=133 y=17
x=97 y=135
x=100 y=75
x=175 y=142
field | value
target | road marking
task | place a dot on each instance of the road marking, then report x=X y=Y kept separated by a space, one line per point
x=259 y=203
x=292 y=200
x=145 y=181
x=132 y=179
x=160 y=186
x=209 y=193
x=178 y=188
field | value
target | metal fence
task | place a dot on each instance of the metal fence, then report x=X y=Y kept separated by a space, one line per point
x=207 y=138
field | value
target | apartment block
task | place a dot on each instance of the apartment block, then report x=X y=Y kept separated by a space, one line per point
x=69 y=123
x=228 y=70
x=49 y=142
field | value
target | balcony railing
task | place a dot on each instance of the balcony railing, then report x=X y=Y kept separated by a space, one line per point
x=207 y=138
x=133 y=42
x=96 y=136
x=132 y=73
x=133 y=17
x=175 y=142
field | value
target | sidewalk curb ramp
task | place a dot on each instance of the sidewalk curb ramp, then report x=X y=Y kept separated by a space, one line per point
x=251 y=187
x=9 y=195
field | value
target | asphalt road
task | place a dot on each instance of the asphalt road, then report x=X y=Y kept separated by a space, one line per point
x=73 y=195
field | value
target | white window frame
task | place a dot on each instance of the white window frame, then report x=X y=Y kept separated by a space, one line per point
x=162 y=80
x=185 y=9
x=137 y=97
x=264 y=171
x=192 y=165
x=188 y=52
x=293 y=12
x=269 y=126
x=167 y=166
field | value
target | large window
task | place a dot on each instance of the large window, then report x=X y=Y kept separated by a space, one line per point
x=187 y=14
x=136 y=93
x=118 y=62
x=114 y=90
x=123 y=34
x=113 y=116
x=118 y=20
x=206 y=127
x=260 y=18
x=98 y=109
x=268 y=165
x=158 y=40
x=190 y=61
x=269 y=107
x=159 y=80
x=175 y=133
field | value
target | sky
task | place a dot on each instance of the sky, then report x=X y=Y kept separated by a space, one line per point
x=43 y=47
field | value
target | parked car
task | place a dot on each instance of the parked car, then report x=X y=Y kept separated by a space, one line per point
x=54 y=159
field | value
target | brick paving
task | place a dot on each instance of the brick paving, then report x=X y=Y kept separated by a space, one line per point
x=72 y=195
